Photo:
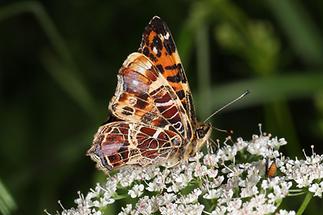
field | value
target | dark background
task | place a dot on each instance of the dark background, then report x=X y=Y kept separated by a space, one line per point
x=58 y=66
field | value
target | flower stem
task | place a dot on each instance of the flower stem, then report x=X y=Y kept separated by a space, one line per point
x=306 y=200
x=204 y=71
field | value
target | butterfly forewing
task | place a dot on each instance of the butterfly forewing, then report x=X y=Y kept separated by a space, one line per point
x=158 y=45
x=143 y=96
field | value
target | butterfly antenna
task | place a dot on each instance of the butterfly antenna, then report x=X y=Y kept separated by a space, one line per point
x=230 y=103
x=229 y=132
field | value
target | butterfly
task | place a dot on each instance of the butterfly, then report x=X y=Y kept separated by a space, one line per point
x=152 y=117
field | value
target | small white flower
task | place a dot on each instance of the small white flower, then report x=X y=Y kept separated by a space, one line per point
x=146 y=205
x=136 y=191
x=126 y=210
x=192 y=209
x=212 y=173
x=211 y=160
x=212 y=194
x=166 y=199
x=216 y=182
x=241 y=144
x=314 y=188
x=200 y=170
x=190 y=198
x=226 y=196
x=234 y=205
x=249 y=191
x=219 y=210
x=317 y=189
x=169 y=208
x=285 y=212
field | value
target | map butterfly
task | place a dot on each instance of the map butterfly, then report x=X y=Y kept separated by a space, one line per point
x=152 y=120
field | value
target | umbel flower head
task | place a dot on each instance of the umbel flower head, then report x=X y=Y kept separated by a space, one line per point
x=238 y=178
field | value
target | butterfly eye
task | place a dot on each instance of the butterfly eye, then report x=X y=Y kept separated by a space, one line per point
x=200 y=133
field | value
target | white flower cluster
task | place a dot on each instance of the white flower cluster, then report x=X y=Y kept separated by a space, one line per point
x=233 y=180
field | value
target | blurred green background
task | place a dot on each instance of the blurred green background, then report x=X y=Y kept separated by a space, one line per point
x=58 y=66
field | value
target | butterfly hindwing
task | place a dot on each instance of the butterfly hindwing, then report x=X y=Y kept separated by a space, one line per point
x=119 y=143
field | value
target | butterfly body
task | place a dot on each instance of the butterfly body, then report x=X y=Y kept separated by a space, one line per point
x=152 y=114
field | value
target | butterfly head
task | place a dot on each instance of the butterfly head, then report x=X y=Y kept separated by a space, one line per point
x=202 y=133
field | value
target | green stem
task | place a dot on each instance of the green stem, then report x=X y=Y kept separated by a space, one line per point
x=306 y=200
x=296 y=194
x=203 y=69
x=295 y=190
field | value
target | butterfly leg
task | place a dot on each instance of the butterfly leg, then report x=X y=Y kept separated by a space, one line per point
x=171 y=164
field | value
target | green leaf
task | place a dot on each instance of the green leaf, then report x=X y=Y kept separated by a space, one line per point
x=302 y=34
x=7 y=204
x=266 y=90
